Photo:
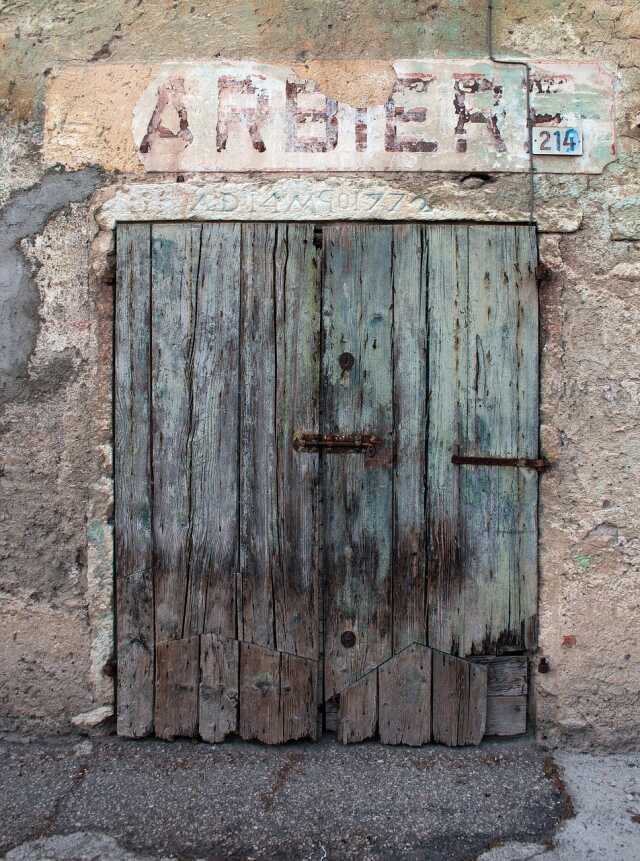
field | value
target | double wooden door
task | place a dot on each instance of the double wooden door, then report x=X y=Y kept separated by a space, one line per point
x=303 y=536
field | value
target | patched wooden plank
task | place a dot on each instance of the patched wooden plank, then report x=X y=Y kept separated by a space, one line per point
x=404 y=692
x=297 y=384
x=175 y=260
x=132 y=477
x=447 y=315
x=358 y=711
x=507 y=675
x=506 y=716
x=507 y=688
x=218 y=699
x=410 y=255
x=259 y=537
x=260 y=705
x=213 y=440
x=177 y=679
x=357 y=490
x=459 y=700
x=298 y=692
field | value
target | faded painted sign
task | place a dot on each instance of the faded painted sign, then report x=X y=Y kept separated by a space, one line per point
x=439 y=115
x=412 y=115
x=461 y=115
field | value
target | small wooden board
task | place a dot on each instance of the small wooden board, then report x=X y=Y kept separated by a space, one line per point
x=177 y=675
x=358 y=714
x=405 y=697
x=459 y=700
x=277 y=695
x=218 y=705
x=507 y=687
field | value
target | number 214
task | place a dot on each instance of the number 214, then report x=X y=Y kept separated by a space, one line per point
x=569 y=142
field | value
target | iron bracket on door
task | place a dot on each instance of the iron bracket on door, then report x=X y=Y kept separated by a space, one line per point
x=335 y=443
x=539 y=464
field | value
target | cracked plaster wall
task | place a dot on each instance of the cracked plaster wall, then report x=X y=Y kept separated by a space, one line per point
x=55 y=551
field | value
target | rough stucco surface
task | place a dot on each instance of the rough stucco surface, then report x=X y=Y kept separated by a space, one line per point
x=55 y=633
x=590 y=501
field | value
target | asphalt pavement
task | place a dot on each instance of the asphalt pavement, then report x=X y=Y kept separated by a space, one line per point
x=75 y=799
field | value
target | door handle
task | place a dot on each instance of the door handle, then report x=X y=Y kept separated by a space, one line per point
x=335 y=443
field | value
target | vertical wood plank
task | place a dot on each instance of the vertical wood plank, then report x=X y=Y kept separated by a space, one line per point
x=213 y=478
x=486 y=493
x=134 y=584
x=357 y=491
x=175 y=261
x=358 y=713
x=447 y=315
x=498 y=505
x=218 y=695
x=404 y=692
x=526 y=520
x=483 y=331
x=297 y=300
x=177 y=679
x=260 y=703
x=259 y=557
x=459 y=700
x=410 y=255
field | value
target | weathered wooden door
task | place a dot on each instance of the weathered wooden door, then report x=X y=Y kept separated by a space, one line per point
x=324 y=500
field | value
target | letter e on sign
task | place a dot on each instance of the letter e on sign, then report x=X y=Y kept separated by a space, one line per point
x=407 y=105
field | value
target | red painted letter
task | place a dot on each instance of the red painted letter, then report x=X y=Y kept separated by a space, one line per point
x=298 y=116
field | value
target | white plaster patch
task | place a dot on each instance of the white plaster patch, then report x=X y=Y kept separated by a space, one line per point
x=92 y=720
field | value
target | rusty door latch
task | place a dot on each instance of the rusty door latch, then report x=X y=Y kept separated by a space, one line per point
x=335 y=443
x=538 y=464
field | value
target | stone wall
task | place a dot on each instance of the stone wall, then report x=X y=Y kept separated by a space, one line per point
x=55 y=544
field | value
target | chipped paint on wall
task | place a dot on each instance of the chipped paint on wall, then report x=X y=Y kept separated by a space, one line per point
x=579 y=95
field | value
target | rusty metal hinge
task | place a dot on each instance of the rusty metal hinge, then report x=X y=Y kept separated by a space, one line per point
x=335 y=443
x=539 y=464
